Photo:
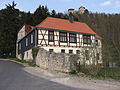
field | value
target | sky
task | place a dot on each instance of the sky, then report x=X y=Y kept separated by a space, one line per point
x=104 y=6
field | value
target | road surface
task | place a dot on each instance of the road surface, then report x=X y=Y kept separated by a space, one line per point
x=13 y=77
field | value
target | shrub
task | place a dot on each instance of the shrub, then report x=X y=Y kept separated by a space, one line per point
x=22 y=56
x=34 y=53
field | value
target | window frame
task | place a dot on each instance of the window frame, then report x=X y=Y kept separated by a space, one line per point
x=51 y=51
x=62 y=50
x=77 y=51
x=26 y=41
x=51 y=35
x=87 y=39
x=98 y=56
x=63 y=37
x=20 y=46
x=87 y=54
x=31 y=38
x=70 y=51
x=72 y=36
x=96 y=42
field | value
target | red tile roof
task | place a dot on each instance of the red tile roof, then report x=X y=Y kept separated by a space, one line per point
x=28 y=28
x=62 y=24
x=98 y=37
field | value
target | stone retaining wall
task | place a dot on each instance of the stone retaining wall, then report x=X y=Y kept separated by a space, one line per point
x=56 y=61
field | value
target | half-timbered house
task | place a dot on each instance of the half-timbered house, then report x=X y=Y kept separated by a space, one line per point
x=60 y=36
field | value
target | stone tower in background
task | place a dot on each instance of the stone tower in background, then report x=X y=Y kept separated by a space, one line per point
x=81 y=10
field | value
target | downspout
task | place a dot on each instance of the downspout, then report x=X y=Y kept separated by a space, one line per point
x=36 y=36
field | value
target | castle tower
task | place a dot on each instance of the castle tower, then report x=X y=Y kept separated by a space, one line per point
x=81 y=10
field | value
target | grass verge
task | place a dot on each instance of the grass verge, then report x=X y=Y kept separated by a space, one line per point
x=113 y=73
x=30 y=63
x=103 y=73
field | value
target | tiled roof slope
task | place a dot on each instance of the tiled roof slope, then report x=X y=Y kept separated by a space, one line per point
x=62 y=24
x=28 y=28
x=98 y=37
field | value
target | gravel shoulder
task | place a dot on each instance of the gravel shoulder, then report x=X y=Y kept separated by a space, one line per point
x=74 y=81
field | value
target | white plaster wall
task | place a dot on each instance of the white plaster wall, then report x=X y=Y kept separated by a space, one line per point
x=20 y=35
x=28 y=55
x=58 y=49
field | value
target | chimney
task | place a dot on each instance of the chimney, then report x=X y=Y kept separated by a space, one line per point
x=71 y=12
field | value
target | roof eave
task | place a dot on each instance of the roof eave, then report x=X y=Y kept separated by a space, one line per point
x=62 y=30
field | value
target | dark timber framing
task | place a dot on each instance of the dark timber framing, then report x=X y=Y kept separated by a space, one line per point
x=77 y=41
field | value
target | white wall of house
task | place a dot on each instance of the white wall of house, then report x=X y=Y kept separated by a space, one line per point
x=20 y=35
x=27 y=55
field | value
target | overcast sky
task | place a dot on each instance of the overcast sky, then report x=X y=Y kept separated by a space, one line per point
x=107 y=6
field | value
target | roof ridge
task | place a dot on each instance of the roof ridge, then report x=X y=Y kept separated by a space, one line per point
x=65 y=19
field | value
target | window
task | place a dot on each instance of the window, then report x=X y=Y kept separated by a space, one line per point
x=19 y=46
x=51 y=36
x=77 y=51
x=70 y=51
x=62 y=50
x=72 y=38
x=27 y=54
x=86 y=39
x=96 y=42
x=31 y=38
x=51 y=51
x=98 y=56
x=63 y=36
x=87 y=54
x=26 y=41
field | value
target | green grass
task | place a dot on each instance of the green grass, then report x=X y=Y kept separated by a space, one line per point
x=30 y=63
x=103 y=73
x=113 y=73
x=73 y=72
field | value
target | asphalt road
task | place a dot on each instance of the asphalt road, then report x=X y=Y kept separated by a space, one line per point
x=13 y=77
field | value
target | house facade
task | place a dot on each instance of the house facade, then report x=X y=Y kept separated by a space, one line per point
x=61 y=36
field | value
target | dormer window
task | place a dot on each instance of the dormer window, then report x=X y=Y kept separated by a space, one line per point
x=86 y=39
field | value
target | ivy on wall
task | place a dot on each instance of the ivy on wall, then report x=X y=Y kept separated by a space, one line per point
x=34 y=53
x=22 y=56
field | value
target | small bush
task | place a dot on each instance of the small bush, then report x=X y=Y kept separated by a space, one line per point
x=34 y=53
x=73 y=72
